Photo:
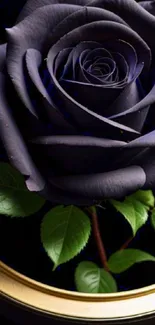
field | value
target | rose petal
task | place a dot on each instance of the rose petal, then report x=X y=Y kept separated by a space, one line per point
x=149 y=6
x=135 y=120
x=137 y=113
x=37 y=25
x=113 y=184
x=148 y=164
x=57 y=196
x=33 y=61
x=136 y=151
x=98 y=98
x=32 y=5
x=2 y=56
x=80 y=141
x=128 y=52
x=76 y=154
x=129 y=10
x=104 y=58
x=14 y=143
x=82 y=115
x=95 y=31
x=147 y=140
x=94 y=97
x=80 y=55
x=146 y=159
x=87 y=120
x=134 y=15
x=75 y=61
x=45 y=31
x=128 y=98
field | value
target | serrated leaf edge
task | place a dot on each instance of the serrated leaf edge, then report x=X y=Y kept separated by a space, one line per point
x=152 y=259
x=56 y=265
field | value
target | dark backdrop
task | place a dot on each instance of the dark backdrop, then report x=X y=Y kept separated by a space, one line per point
x=9 y=10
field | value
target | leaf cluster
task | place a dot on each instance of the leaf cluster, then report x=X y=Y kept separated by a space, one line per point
x=65 y=230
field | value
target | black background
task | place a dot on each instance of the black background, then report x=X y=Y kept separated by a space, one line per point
x=9 y=10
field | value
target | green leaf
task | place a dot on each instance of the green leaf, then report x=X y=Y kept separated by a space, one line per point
x=91 y=279
x=64 y=233
x=15 y=199
x=135 y=208
x=145 y=197
x=134 y=212
x=153 y=218
x=124 y=259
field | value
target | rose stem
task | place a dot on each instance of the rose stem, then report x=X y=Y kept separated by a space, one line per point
x=125 y=245
x=98 y=239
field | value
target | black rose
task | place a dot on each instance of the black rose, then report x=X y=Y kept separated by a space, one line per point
x=77 y=98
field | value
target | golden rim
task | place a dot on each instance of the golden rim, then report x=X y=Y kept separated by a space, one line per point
x=46 y=299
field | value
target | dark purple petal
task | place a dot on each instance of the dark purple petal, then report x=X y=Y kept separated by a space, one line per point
x=82 y=115
x=128 y=10
x=99 y=63
x=137 y=114
x=148 y=164
x=33 y=62
x=2 y=56
x=149 y=6
x=47 y=25
x=134 y=15
x=128 y=52
x=137 y=151
x=128 y=98
x=94 y=97
x=146 y=159
x=76 y=154
x=87 y=120
x=99 y=97
x=32 y=5
x=91 y=63
x=79 y=141
x=147 y=140
x=15 y=145
x=113 y=184
x=89 y=90
x=75 y=65
x=58 y=196
x=41 y=28
x=63 y=64
x=101 y=31
x=136 y=120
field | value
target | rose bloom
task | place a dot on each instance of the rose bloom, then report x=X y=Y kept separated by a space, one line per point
x=77 y=98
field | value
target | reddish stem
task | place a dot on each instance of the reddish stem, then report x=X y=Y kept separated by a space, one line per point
x=98 y=239
x=126 y=244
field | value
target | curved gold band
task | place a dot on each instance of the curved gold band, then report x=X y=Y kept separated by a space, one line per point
x=75 y=305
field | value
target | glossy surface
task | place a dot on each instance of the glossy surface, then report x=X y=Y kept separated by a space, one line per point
x=47 y=300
